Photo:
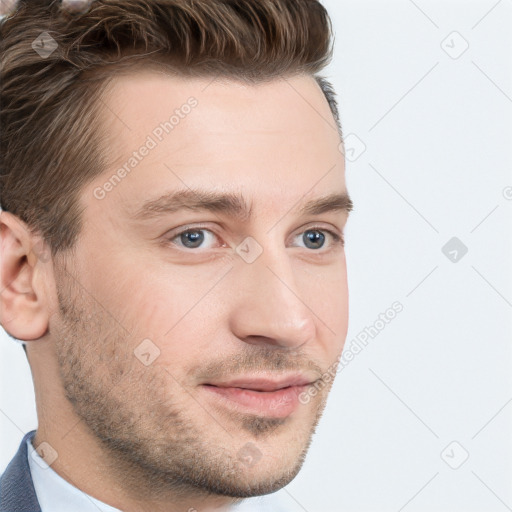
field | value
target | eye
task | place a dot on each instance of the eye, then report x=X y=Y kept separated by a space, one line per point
x=202 y=238
x=314 y=238
x=193 y=238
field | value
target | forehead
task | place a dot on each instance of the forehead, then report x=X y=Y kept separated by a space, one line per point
x=273 y=138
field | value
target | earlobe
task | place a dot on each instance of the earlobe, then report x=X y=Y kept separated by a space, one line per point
x=23 y=311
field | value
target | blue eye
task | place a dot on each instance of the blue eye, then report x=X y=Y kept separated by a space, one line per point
x=315 y=238
x=201 y=238
x=192 y=238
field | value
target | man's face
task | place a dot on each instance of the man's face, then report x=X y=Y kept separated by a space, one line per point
x=158 y=326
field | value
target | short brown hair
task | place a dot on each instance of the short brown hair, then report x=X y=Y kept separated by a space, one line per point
x=50 y=144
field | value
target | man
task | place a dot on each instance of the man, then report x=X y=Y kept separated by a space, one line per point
x=174 y=202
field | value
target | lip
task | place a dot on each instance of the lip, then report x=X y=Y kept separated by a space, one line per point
x=276 y=398
x=265 y=383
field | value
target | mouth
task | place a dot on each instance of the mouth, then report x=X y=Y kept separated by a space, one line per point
x=277 y=398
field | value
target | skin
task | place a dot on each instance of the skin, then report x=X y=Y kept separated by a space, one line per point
x=150 y=437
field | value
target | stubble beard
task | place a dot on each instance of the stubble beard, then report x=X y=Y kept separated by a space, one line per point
x=150 y=440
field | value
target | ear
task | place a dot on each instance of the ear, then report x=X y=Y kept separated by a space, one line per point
x=23 y=301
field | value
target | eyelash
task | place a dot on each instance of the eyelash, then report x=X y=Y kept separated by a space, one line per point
x=337 y=239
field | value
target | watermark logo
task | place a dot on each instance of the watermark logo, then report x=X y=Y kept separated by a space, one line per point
x=249 y=454
x=44 y=45
x=352 y=147
x=454 y=45
x=455 y=455
x=44 y=455
x=146 y=352
x=249 y=250
x=454 y=249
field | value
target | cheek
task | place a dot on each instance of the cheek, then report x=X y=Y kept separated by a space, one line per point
x=325 y=291
x=324 y=284
x=145 y=292
x=174 y=308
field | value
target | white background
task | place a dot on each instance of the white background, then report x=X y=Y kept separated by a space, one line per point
x=436 y=133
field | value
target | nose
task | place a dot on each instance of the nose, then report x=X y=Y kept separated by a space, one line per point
x=269 y=308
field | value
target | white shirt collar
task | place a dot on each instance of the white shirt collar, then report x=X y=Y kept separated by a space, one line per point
x=56 y=494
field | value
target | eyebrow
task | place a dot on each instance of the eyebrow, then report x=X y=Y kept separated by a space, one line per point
x=229 y=203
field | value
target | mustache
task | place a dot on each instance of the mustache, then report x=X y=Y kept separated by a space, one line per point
x=254 y=359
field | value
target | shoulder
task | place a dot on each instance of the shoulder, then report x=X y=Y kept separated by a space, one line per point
x=17 y=493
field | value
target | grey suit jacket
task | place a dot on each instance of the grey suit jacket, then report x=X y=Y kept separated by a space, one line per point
x=17 y=493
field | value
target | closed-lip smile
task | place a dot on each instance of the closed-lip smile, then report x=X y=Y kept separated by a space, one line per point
x=264 y=395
